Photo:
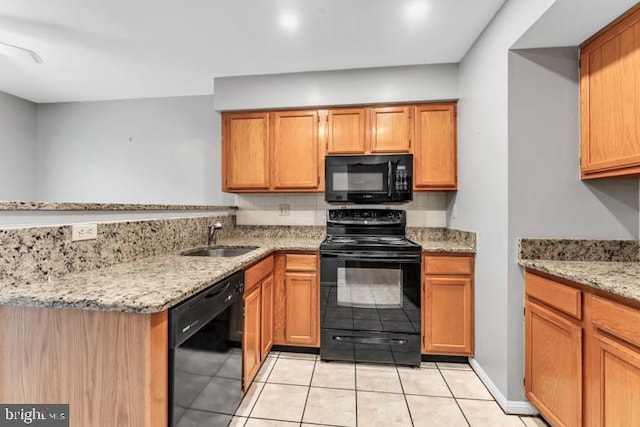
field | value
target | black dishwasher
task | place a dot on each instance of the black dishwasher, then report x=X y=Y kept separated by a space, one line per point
x=205 y=355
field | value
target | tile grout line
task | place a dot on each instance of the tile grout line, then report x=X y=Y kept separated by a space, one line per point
x=404 y=396
x=455 y=399
x=355 y=388
x=304 y=408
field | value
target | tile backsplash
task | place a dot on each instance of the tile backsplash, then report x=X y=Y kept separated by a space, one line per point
x=426 y=209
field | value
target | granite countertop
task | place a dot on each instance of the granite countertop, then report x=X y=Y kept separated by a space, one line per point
x=619 y=278
x=148 y=285
x=66 y=206
x=156 y=283
x=607 y=265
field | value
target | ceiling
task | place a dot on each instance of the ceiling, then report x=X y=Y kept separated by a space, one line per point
x=118 y=49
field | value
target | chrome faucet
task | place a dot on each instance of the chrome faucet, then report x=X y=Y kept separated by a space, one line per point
x=212 y=233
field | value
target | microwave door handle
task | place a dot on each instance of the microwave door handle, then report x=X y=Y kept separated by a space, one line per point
x=389 y=179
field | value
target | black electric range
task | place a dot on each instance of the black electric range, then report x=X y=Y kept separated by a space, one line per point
x=370 y=288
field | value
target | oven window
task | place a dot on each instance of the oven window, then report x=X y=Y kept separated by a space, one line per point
x=369 y=287
x=358 y=181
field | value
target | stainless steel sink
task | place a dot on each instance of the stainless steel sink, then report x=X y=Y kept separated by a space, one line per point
x=221 y=252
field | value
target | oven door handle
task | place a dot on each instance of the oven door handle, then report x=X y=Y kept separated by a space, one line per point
x=370 y=340
x=389 y=179
x=371 y=256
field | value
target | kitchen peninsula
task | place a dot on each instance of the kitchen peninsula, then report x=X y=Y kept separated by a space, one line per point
x=97 y=339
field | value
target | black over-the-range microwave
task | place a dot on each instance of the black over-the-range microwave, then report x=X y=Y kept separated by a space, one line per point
x=369 y=179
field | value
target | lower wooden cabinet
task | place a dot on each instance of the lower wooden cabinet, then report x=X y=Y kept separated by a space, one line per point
x=266 y=316
x=553 y=365
x=582 y=354
x=251 y=337
x=258 y=318
x=447 y=304
x=297 y=311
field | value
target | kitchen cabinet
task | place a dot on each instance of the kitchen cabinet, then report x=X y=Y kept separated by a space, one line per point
x=435 y=148
x=283 y=151
x=266 y=316
x=258 y=318
x=615 y=363
x=251 y=337
x=391 y=129
x=582 y=354
x=245 y=152
x=447 y=304
x=297 y=309
x=295 y=150
x=610 y=100
x=110 y=367
x=346 y=131
x=271 y=152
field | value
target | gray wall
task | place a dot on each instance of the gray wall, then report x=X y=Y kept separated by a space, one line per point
x=159 y=150
x=518 y=123
x=546 y=196
x=482 y=200
x=342 y=87
x=17 y=148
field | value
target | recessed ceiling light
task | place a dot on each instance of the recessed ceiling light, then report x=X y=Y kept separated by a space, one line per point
x=288 y=21
x=19 y=52
x=415 y=10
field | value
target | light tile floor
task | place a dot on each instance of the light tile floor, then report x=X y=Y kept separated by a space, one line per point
x=294 y=389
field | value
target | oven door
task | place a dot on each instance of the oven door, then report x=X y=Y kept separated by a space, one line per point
x=370 y=307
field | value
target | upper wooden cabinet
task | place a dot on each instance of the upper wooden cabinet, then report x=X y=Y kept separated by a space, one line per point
x=435 y=150
x=346 y=131
x=295 y=150
x=271 y=152
x=283 y=151
x=610 y=100
x=391 y=129
x=245 y=151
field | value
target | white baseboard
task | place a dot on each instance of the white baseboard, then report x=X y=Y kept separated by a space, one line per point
x=512 y=407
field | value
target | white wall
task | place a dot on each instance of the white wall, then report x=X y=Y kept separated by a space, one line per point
x=433 y=82
x=159 y=150
x=18 y=154
x=482 y=200
x=547 y=199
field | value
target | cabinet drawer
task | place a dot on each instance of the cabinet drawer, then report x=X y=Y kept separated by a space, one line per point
x=448 y=265
x=301 y=262
x=561 y=297
x=616 y=319
x=254 y=274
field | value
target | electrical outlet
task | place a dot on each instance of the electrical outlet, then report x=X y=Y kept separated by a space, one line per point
x=284 y=209
x=84 y=232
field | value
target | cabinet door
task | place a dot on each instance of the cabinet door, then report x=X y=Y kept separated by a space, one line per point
x=610 y=101
x=553 y=365
x=251 y=338
x=266 y=335
x=295 y=150
x=391 y=130
x=346 y=131
x=435 y=159
x=245 y=151
x=301 y=305
x=616 y=383
x=447 y=322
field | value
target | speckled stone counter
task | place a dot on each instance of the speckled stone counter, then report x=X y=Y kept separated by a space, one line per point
x=608 y=265
x=147 y=286
x=443 y=240
x=65 y=206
